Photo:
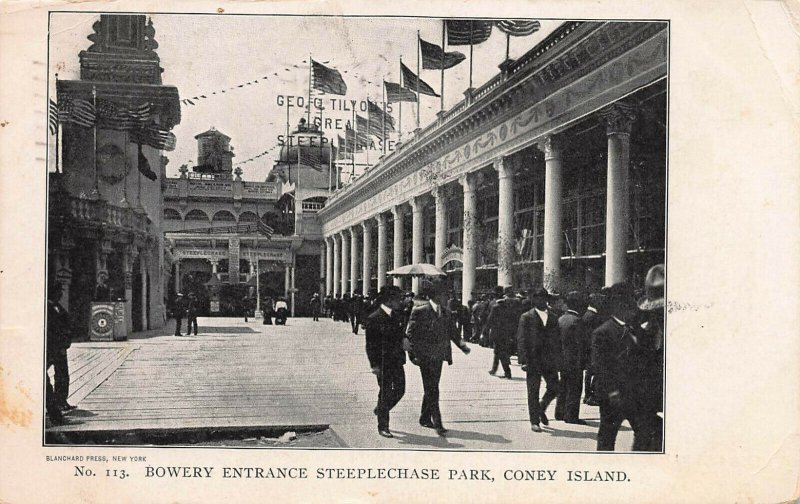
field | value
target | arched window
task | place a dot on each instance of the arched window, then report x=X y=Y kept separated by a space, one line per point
x=171 y=214
x=224 y=216
x=197 y=215
x=247 y=217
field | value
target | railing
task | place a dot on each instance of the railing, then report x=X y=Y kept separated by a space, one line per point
x=218 y=188
x=100 y=213
x=312 y=206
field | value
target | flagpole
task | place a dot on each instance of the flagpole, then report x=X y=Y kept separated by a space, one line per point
x=309 y=93
x=441 y=92
x=288 y=144
x=400 y=120
x=355 y=146
x=330 y=165
x=471 y=23
x=369 y=125
x=383 y=125
x=418 y=79
x=58 y=127
x=258 y=290
x=508 y=45
x=96 y=189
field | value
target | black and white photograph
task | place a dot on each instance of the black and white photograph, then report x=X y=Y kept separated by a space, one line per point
x=416 y=251
x=412 y=233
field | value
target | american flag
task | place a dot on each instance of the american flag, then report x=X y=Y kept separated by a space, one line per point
x=396 y=93
x=80 y=112
x=413 y=82
x=111 y=116
x=53 y=117
x=264 y=228
x=519 y=27
x=155 y=136
x=467 y=31
x=327 y=80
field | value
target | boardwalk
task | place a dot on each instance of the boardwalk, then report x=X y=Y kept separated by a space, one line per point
x=237 y=374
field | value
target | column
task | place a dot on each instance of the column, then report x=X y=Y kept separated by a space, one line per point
x=293 y=289
x=470 y=255
x=366 y=256
x=329 y=280
x=553 y=213
x=177 y=278
x=286 y=279
x=381 y=218
x=337 y=266
x=323 y=277
x=417 y=237
x=505 y=222
x=345 y=262
x=440 y=242
x=353 y=260
x=214 y=265
x=397 y=213
x=618 y=119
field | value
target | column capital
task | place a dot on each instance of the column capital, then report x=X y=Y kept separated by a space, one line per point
x=551 y=146
x=353 y=231
x=366 y=225
x=397 y=210
x=503 y=168
x=618 y=118
x=468 y=182
x=417 y=203
x=380 y=219
x=440 y=193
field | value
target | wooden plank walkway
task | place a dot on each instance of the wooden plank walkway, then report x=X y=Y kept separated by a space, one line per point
x=237 y=374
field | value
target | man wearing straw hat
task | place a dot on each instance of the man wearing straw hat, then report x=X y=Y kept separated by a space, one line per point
x=651 y=344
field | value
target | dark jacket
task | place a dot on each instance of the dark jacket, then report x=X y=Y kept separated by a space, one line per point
x=573 y=341
x=384 y=336
x=614 y=359
x=501 y=325
x=59 y=329
x=591 y=321
x=430 y=334
x=538 y=346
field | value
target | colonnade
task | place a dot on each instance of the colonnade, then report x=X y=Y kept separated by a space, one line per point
x=345 y=269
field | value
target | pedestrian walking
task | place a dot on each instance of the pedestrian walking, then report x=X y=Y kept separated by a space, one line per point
x=59 y=339
x=355 y=312
x=179 y=312
x=501 y=330
x=651 y=344
x=192 y=307
x=384 y=337
x=538 y=351
x=431 y=328
x=314 y=306
x=267 y=310
x=617 y=359
x=573 y=348
x=592 y=319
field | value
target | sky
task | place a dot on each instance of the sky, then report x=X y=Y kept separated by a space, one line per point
x=201 y=54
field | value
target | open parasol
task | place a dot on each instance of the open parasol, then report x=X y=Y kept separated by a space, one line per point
x=419 y=269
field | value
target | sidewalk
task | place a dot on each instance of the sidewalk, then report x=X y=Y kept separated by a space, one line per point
x=237 y=374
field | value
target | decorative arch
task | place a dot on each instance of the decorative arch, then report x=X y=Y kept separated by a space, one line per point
x=172 y=214
x=224 y=216
x=248 y=217
x=197 y=215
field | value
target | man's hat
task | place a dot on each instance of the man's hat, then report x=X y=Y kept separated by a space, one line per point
x=654 y=289
x=574 y=300
x=508 y=291
x=498 y=291
x=541 y=292
x=597 y=300
x=389 y=291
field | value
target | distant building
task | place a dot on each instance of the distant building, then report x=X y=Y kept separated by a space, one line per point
x=210 y=223
x=104 y=216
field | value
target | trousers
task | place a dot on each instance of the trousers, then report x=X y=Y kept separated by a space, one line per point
x=431 y=371
x=569 y=397
x=533 y=380
x=391 y=388
x=646 y=426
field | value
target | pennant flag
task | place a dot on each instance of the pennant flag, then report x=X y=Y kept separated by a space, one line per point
x=110 y=116
x=362 y=132
x=265 y=229
x=379 y=120
x=52 y=117
x=519 y=27
x=144 y=166
x=396 y=93
x=434 y=57
x=327 y=79
x=80 y=112
x=466 y=31
x=411 y=81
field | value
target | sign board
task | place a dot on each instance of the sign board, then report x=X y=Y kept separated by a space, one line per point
x=102 y=322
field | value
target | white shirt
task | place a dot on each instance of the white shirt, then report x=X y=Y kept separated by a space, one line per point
x=386 y=309
x=591 y=309
x=618 y=321
x=435 y=307
x=542 y=315
x=281 y=304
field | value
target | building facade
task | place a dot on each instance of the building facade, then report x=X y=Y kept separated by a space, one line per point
x=105 y=217
x=552 y=173
x=210 y=222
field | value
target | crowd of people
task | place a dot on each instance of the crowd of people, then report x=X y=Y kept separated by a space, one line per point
x=607 y=347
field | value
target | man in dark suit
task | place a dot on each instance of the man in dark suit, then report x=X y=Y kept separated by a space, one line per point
x=592 y=319
x=573 y=343
x=431 y=328
x=501 y=330
x=59 y=339
x=615 y=359
x=356 y=307
x=650 y=374
x=539 y=353
x=192 y=308
x=385 y=333
x=179 y=311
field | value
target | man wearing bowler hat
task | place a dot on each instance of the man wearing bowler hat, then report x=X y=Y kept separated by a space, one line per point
x=501 y=329
x=573 y=343
x=384 y=335
x=539 y=353
x=431 y=328
x=594 y=316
